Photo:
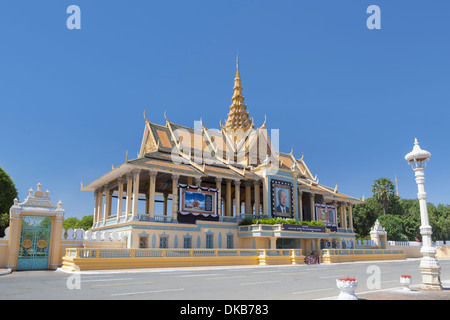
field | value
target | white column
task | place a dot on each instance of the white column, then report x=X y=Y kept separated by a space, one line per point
x=107 y=206
x=95 y=207
x=136 y=174
x=120 y=198
x=128 y=199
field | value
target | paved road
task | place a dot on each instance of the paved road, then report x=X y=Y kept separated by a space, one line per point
x=303 y=282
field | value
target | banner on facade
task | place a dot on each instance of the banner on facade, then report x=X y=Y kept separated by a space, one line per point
x=303 y=228
x=282 y=198
x=326 y=214
x=197 y=200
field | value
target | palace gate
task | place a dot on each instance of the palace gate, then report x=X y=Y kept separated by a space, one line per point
x=34 y=245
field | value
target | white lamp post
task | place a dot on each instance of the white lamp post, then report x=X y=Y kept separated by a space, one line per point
x=429 y=265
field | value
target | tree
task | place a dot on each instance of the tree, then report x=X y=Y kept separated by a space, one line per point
x=8 y=193
x=4 y=223
x=364 y=216
x=393 y=226
x=411 y=218
x=73 y=223
x=70 y=223
x=86 y=222
x=383 y=191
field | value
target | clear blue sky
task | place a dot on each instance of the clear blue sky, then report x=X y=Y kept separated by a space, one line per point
x=351 y=99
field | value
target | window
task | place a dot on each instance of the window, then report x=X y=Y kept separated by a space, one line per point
x=143 y=242
x=187 y=243
x=209 y=241
x=163 y=242
x=230 y=239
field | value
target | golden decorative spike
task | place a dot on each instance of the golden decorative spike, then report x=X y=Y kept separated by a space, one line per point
x=238 y=117
x=396 y=183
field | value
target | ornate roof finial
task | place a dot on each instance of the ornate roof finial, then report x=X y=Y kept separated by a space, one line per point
x=237 y=64
x=238 y=117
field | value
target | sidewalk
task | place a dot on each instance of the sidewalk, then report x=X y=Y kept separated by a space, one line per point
x=415 y=294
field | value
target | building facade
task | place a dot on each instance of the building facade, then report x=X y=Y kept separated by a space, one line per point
x=203 y=188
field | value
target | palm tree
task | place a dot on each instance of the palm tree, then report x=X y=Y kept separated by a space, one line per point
x=383 y=192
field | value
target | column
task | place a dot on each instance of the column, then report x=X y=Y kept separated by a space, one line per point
x=120 y=198
x=100 y=206
x=248 y=198
x=165 y=195
x=311 y=203
x=198 y=181
x=344 y=214
x=54 y=257
x=300 y=205
x=95 y=207
x=151 y=194
x=107 y=206
x=265 y=192
x=257 y=198
x=237 y=198
x=228 y=204
x=136 y=174
x=350 y=216
x=175 y=178
x=219 y=196
x=128 y=199
x=317 y=246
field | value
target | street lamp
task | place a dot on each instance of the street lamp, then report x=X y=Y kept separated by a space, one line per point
x=429 y=265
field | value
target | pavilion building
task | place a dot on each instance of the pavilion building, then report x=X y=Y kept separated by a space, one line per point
x=192 y=188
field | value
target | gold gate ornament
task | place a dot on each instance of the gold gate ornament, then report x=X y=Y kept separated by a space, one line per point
x=42 y=244
x=27 y=243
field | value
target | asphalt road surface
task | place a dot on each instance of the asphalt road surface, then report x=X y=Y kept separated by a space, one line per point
x=290 y=282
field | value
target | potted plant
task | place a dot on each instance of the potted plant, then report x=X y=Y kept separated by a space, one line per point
x=347 y=286
x=406 y=280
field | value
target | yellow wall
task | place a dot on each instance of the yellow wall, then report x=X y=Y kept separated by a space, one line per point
x=3 y=252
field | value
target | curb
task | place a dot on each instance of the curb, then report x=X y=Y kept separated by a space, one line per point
x=5 y=271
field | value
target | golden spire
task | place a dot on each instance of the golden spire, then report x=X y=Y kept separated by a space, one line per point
x=396 y=184
x=238 y=116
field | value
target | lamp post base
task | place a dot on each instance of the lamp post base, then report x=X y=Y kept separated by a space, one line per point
x=431 y=271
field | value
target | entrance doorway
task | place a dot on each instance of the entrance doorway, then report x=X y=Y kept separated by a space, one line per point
x=34 y=243
x=286 y=243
